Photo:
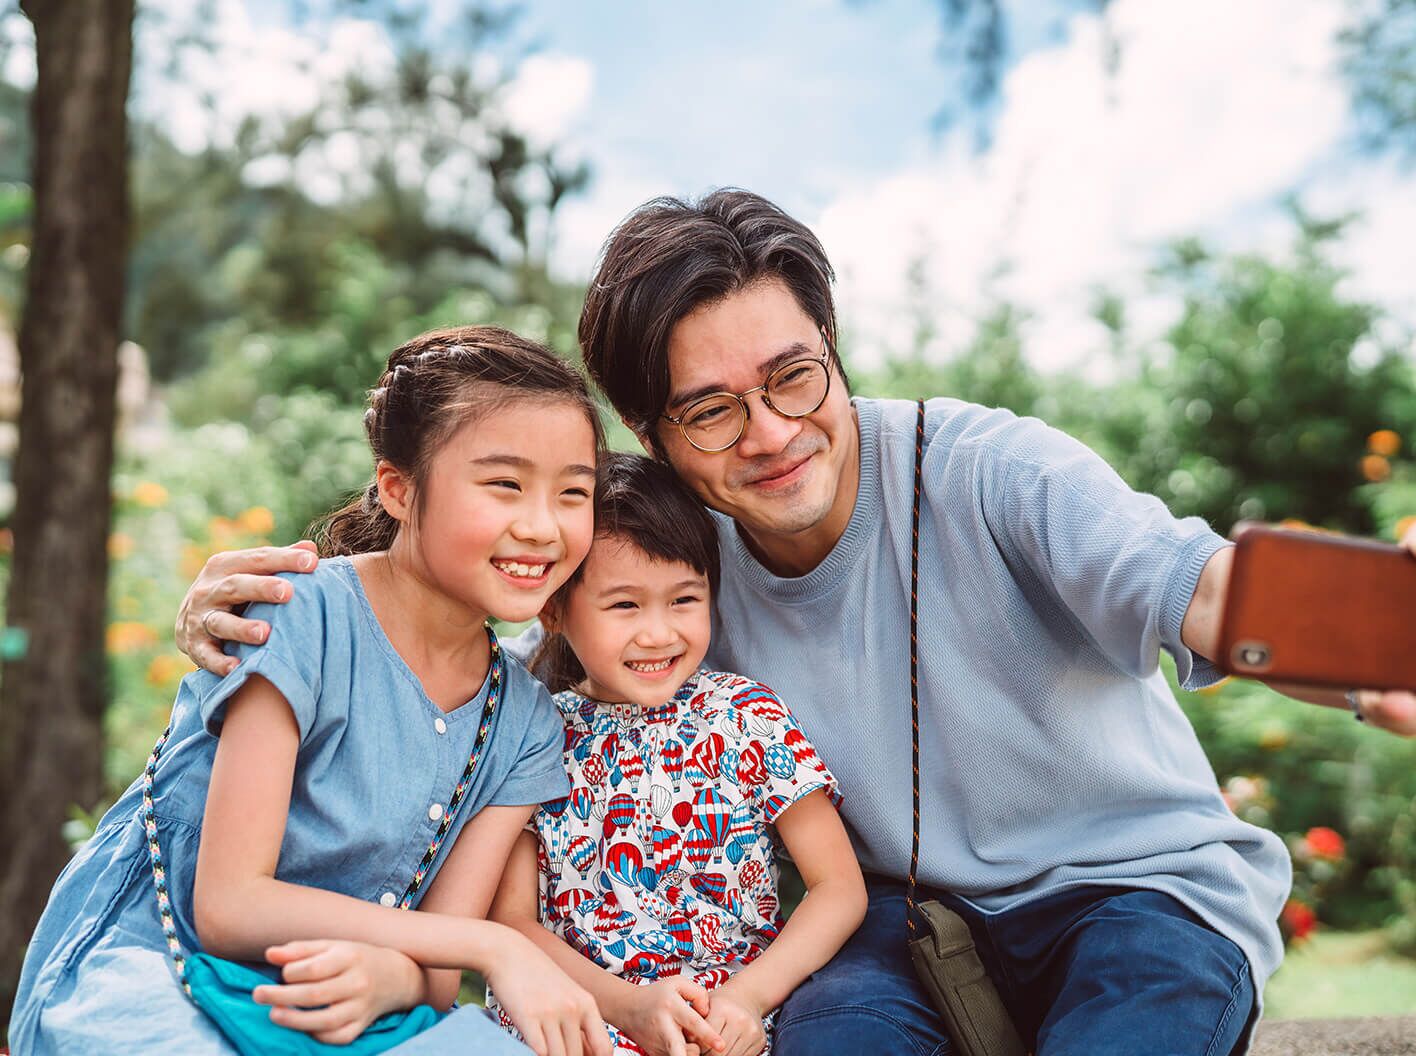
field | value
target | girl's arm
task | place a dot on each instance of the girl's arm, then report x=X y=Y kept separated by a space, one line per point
x=658 y=1017
x=833 y=908
x=241 y=909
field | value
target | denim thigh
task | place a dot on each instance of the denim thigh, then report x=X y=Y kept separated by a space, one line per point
x=1107 y=972
x=867 y=1000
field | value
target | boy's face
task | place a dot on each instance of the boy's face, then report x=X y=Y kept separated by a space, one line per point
x=639 y=626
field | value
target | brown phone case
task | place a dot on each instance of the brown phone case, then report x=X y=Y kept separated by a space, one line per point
x=1320 y=609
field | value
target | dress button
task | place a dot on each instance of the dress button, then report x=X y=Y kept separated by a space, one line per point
x=435 y=811
x=439 y=725
x=388 y=899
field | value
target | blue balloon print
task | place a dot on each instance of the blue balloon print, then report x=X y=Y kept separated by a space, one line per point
x=648 y=878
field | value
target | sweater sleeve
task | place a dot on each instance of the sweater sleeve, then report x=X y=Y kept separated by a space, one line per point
x=1118 y=560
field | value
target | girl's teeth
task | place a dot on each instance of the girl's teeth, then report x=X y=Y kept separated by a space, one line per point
x=512 y=568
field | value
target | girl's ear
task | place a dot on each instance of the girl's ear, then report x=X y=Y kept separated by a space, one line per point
x=395 y=491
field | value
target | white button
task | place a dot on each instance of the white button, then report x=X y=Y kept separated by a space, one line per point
x=388 y=898
x=439 y=725
x=435 y=811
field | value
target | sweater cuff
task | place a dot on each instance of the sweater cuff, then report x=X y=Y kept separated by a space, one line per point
x=1192 y=670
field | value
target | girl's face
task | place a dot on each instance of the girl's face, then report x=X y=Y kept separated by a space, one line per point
x=507 y=509
x=639 y=626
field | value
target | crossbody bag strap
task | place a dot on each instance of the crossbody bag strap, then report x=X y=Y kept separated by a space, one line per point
x=914 y=665
x=159 y=871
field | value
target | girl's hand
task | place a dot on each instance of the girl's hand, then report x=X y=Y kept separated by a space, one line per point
x=555 y=1015
x=666 y=1019
x=333 y=989
x=737 y=1016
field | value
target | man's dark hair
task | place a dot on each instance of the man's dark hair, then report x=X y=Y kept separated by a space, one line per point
x=670 y=257
x=643 y=503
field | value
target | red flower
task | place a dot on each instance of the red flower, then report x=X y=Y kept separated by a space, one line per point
x=1297 y=919
x=1326 y=843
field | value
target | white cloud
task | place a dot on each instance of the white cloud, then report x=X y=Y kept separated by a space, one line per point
x=1214 y=111
x=546 y=96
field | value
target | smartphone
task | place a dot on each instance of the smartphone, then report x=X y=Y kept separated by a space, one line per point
x=1321 y=610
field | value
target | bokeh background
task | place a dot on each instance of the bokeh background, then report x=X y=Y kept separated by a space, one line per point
x=1182 y=232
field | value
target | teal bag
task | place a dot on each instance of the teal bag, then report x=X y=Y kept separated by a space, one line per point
x=222 y=989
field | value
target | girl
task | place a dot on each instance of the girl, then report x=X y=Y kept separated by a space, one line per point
x=318 y=790
x=654 y=883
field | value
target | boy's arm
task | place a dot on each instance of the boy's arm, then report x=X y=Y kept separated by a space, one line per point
x=833 y=907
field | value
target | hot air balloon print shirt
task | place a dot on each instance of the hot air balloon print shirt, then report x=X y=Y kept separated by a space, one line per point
x=661 y=860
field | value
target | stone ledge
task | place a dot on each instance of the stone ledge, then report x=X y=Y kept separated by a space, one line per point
x=1337 y=1037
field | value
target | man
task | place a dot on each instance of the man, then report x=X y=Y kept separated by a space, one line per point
x=1068 y=811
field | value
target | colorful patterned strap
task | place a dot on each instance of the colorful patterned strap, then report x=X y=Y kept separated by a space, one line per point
x=159 y=871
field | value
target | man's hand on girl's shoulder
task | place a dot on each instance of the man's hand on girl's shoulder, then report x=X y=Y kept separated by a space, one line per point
x=229 y=579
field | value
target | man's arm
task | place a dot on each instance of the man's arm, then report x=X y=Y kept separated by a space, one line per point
x=229 y=579
x=1393 y=710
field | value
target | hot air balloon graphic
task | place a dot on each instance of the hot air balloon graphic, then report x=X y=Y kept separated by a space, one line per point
x=659 y=800
x=611 y=920
x=751 y=768
x=699 y=848
x=581 y=854
x=631 y=765
x=712 y=978
x=767 y=906
x=645 y=965
x=581 y=799
x=712 y=814
x=732 y=722
x=555 y=836
x=773 y=806
x=682 y=931
x=752 y=875
x=583 y=744
x=709 y=934
x=619 y=814
x=780 y=762
x=742 y=826
x=712 y=886
x=728 y=764
x=706 y=753
x=665 y=849
x=656 y=941
x=802 y=750
x=569 y=899
x=734 y=902
x=595 y=770
x=610 y=749
x=671 y=759
x=580 y=940
x=556 y=807
x=623 y=861
x=759 y=700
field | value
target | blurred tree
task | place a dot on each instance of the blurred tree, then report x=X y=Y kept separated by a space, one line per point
x=1271 y=381
x=53 y=695
x=1379 y=58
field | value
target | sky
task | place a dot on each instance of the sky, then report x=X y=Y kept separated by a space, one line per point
x=1211 y=114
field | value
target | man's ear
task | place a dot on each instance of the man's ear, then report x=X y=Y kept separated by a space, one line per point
x=395 y=491
x=642 y=435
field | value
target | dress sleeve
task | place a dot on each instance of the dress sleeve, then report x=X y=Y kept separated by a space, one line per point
x=290 y=659
x=1117 y=559
x=538 y=773
x=789 y=765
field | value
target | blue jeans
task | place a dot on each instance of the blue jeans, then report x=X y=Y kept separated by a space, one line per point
x=1087 y=972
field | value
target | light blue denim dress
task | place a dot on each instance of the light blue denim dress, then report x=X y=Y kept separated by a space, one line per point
x=377 y=764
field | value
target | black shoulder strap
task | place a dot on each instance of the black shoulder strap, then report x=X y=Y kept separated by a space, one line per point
x=914 y=662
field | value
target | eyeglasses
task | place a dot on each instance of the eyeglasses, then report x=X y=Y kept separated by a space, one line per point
x=794 y=390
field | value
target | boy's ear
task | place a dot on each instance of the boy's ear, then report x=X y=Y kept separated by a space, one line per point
x=395 y=491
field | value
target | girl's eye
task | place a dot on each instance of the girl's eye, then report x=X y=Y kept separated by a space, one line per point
x=577 y=493
x=511 y=484
x=687 y=599
x=624 y=605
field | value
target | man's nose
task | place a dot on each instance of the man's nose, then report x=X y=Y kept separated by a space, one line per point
x=765 y=432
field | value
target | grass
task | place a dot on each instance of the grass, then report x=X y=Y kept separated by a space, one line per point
x=1342 y=974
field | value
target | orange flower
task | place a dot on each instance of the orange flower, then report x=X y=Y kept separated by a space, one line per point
x=1326 y=843
x=149 y=493
x=257 y=520
x=1297 y=920
x=1405 y=525
x=1385 y=442
x=166 y=669
x=1375 y=468
x=129 y=636
x=119 y=546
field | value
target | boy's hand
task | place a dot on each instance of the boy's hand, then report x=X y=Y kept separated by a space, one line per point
x=228 y=579
x=665 y=1018
x=737 y=1016
x=333 y=989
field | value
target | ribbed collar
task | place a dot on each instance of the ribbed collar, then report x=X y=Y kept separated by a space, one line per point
x=865 y=520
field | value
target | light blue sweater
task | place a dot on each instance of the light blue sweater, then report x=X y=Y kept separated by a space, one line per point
x=1053 y=752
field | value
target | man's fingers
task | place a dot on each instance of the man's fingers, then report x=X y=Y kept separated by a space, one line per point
x=261 y=561
x=1409 y=539
x=240 y=588
x=225 y=626
x=207 y=656
x=1394 y=710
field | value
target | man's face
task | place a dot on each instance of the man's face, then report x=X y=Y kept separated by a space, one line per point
x=784 y=476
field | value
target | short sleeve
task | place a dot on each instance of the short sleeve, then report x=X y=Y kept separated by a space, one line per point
x=790 y=767
x=538 y=773
x=1117 y=559
x=289 y=660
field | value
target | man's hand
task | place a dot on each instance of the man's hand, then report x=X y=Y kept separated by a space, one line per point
x=228 y=579
x=1394 y=709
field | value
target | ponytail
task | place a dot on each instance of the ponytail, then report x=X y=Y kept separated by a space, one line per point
x=360 y=527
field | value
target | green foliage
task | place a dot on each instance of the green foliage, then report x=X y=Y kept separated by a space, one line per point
x=1379 y=53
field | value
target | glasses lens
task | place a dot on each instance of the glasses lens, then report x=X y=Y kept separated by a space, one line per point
x=798 y=388
x=714 y=423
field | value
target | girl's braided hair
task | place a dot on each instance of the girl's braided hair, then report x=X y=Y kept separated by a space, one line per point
x=432 y=386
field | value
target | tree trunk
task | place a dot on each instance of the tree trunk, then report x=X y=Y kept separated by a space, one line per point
x=52 y=698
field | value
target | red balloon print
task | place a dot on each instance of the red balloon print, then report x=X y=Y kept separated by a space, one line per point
x=671 y=758
x=594 y=770
x=752 y=766
x=706 y=754
x=619 y=814
x=683 y=814
x=699 y=849
x=802 y=749
x=666 y=849
x=712 y=814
